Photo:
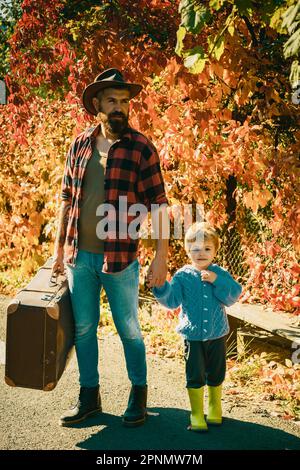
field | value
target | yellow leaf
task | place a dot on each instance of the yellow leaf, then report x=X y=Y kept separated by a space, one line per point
x=219 y=48
x=195 y=63
x=288 y=363
x=181 y=32
x=231 y=30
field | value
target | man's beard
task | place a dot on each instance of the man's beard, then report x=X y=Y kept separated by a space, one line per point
x=117 y=126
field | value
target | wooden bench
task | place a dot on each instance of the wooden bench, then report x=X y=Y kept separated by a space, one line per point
x=282 y=328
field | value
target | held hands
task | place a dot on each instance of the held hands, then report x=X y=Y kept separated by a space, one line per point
x=208 y=276
x=157 y=273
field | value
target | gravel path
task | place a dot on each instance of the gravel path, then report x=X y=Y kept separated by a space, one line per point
x=29 y=418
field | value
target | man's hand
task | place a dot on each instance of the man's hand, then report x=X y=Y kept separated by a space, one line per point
x=208 y=276
x=58 y=266
x=58 y=257
x=157 y=272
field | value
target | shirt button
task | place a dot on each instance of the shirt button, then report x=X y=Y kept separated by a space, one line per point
x=205 y=331
x=205 y=321
x=205 y=309
x=205 y=296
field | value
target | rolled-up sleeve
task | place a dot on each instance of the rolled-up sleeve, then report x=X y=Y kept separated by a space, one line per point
x=151 y=184
x=66 y=184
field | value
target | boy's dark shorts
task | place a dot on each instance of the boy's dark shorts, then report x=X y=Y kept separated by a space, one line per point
x=205 y=362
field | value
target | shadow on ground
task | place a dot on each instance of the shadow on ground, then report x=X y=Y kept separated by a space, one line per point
x=167 y=430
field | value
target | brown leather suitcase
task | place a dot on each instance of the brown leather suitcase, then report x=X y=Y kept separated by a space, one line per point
x=40 y=332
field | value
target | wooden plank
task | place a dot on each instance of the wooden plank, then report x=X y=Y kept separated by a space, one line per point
x=278 y=323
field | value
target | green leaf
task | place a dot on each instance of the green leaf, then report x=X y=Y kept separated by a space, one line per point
x=291 y=18
x=271 y=11
x=231 y=30
x=276 y=20
x=195 y=60
x=292 y=46
x=216 y=4
x=219 y=48
x=230 y=21
x=245 y=7
x=193 y=15
x=295 y=74
x=216 y=46
x=202 y=16
x=184 y=4
x=181 y=32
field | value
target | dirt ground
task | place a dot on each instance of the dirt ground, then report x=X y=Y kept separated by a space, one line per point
x=29 y=418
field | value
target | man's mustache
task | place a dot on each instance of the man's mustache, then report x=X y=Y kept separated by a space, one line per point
x=117 y=115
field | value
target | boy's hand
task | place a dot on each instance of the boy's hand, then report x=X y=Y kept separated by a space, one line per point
x=208 y=276
x=157 y=273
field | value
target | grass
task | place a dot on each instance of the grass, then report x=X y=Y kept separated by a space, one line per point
x=12 y=280
x=271 y=380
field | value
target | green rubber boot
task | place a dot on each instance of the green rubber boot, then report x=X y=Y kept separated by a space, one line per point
x=198 y=423
x=214 y=415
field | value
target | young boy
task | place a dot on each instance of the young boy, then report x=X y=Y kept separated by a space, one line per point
x=202 y=289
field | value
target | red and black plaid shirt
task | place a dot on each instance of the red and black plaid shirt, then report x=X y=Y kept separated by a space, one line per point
x=132 y=170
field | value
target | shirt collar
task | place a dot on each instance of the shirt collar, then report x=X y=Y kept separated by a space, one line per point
x=199 y=270
x=92 y=132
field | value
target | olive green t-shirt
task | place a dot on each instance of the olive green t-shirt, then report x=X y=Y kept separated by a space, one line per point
x=92 y=197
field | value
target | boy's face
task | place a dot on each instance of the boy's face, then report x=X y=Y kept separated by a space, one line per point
x=202 y=253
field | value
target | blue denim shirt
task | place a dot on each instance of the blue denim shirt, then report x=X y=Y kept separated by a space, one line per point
x=202 y=316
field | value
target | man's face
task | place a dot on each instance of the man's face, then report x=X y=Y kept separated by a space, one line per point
x=113 y=106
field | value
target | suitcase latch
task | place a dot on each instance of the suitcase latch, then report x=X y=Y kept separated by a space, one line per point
x=48 y=297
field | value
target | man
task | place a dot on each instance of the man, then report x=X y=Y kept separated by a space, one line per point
x=105 y=163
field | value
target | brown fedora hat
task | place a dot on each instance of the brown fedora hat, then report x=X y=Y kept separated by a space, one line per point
x=110 y=78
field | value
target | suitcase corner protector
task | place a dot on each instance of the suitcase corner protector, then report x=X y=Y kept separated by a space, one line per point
x=13 y=306
x=53 y=311
x=50 y=386
x=10 y=382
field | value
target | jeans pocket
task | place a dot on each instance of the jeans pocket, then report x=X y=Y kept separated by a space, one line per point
x=132 y=268
x=83 y=260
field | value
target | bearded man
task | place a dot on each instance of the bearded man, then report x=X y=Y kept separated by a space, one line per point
x=104 y=165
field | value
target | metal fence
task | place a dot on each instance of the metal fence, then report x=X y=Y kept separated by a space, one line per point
x=239 y=239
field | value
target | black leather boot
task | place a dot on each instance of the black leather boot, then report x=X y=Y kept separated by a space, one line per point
x=89 y=402
x=136 y=412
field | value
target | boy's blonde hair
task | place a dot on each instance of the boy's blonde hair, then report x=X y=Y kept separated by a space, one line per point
x=201 y=231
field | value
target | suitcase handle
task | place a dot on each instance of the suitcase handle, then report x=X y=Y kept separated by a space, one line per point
x=53 y=279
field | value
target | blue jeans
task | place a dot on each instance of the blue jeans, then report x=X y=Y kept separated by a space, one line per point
x=86 y=280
